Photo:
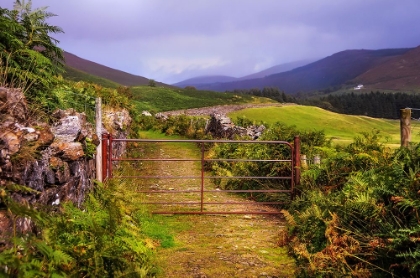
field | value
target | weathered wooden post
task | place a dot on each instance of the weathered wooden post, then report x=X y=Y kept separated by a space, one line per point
x=317 y=159
x=304 y=161
x=98 y=121
x=405 y=126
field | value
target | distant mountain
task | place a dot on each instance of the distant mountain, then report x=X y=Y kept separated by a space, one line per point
x=205 y=80
x=277 y=69
x=199 y=81
x=95 y=69
x=333 y=70
x=399 y=73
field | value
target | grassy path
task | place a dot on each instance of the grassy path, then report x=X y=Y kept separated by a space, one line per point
x=215 y=245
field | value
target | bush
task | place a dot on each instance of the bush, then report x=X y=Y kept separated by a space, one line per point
x=365 y=199
x=100 y=240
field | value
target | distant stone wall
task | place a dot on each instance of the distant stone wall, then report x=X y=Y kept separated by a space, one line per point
x=220 y=126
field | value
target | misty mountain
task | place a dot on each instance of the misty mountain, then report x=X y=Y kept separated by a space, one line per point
x=334 y=70
x=197 y=81
x=205 y=80
x=277 y=69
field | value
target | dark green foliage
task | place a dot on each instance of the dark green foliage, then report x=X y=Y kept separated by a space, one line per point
x=102 y=239
x=373 y=104
x=268 y=92
x=190 y=127
x=29 y=57
x=365 y=199
x=152 y=83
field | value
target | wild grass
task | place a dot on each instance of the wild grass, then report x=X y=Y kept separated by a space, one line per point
x=342 y=128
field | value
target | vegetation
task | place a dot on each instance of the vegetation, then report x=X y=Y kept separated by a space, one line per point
x=158 y=99
x=29 y=56
x=373 y=104
x=102 y=239
x=357 y=213
x=268 y=92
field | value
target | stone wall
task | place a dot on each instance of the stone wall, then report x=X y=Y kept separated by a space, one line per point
x=55 y=160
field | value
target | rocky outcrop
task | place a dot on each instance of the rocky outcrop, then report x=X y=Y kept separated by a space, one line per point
x=220 y=126
x=54 y=161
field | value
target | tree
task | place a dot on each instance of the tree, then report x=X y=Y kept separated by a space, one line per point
x=29 y=56
x=152 y=83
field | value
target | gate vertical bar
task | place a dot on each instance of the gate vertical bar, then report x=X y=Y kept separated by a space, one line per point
x=110 y=156
x=202 y=178
x=104 y=156
x=296 y=163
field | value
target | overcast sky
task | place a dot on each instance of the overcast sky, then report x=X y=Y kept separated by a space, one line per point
x=172 y=40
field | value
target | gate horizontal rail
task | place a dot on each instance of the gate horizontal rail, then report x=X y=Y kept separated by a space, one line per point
x=292 y=177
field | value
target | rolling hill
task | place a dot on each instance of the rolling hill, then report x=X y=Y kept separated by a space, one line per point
x=339 y=127
x=340 y=68
x=76 y=66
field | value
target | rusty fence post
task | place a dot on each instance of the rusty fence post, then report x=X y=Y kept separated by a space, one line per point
x=110 y=156
x=104 y=156
x=296 y=163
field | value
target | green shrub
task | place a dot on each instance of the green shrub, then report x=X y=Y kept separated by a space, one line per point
x=365 y=199
x=102 y=239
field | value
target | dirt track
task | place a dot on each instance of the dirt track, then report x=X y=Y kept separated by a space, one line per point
x=217 y=245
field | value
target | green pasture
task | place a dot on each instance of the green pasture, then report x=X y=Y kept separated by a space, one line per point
x=342 y=128
x=159 y=99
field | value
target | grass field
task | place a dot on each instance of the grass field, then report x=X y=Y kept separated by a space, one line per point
x=342 y=128
x=159 y=99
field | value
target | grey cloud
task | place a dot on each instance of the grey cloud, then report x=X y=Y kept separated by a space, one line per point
x=165 y=40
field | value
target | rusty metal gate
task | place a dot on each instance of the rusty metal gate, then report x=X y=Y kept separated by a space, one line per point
x=199 y=192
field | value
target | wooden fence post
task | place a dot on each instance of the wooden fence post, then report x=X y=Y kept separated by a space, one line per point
x=405 y=126
x=98 y=122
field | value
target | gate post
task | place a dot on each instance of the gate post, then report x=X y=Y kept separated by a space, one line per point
x=405 y=126
x=296 y=162
x=98 y=123
x=105 y=156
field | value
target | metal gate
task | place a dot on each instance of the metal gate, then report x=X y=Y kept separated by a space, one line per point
x=197 y=194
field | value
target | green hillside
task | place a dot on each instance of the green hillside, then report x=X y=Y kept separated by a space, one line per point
x=159 y=99
x=342 y=128
x=78 y=75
